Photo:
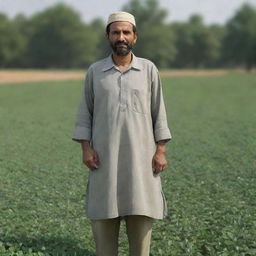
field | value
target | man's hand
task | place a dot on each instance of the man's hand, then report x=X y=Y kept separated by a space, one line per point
x=159 y=161
x=90 y=156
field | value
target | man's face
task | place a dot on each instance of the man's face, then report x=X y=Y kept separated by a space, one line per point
x=121 y=37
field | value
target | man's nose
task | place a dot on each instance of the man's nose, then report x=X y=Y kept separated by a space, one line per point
x=121 y=36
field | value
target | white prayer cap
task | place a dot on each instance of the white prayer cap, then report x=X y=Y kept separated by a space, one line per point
x=121 y=16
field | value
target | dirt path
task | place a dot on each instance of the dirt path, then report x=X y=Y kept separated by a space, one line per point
x=35 y=76
x=179 y=73
x=9 y=76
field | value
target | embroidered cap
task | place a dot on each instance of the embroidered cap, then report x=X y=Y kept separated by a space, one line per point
x=121 y=16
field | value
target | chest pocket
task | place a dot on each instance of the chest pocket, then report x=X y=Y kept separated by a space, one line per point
x=140 y=101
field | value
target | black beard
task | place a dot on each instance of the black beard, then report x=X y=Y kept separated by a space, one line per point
x=121 y=51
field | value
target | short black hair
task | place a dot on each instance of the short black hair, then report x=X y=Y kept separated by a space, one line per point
x=134 y=29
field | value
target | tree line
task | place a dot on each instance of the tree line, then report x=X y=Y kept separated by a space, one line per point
x=58 y=38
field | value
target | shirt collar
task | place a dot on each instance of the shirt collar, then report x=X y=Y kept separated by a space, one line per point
x=109 y=64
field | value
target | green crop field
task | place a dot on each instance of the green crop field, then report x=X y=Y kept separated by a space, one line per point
x=210 y=184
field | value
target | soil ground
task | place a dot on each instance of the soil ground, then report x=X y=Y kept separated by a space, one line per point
x=19 y=76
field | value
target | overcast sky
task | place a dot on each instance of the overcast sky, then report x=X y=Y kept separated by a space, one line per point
x=213 y=11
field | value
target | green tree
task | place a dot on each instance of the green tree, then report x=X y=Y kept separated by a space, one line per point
x=11 y=42
x=240 y=41
x=24 y=27
x=218 y=32
x=197 y=45
x=156 y=40
x=102 y=45
x=60 y=39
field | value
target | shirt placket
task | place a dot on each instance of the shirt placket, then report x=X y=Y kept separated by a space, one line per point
x=123 y=92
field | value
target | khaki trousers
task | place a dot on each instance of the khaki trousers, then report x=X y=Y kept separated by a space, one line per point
x=138 y=229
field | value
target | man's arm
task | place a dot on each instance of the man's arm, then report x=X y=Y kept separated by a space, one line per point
x=158 y=112
x=160 y=126
x=83 y=127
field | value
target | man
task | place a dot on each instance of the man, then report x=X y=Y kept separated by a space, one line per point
x=122 y=127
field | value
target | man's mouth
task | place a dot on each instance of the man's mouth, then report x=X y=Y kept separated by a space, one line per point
x=121 y=44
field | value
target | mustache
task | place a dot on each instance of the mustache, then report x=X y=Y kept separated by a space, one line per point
x=118 y=43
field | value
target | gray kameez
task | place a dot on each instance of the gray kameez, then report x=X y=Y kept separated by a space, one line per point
x=123 y=115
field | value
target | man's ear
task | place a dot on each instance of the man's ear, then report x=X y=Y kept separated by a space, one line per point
x=135 y=37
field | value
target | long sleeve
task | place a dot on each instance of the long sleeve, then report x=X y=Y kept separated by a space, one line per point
x=158 y=112
x=83 y=125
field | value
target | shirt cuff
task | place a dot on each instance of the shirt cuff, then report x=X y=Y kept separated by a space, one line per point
x=162 y=134
x=81 y=133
